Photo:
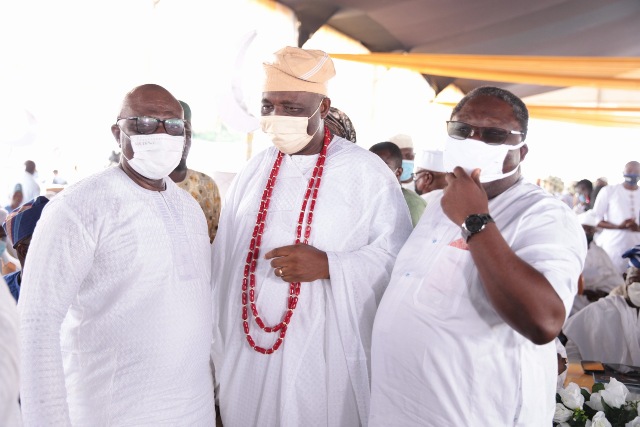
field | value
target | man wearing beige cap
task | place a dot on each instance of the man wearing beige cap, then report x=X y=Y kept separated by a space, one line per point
x=303 y=254
x=430 y=175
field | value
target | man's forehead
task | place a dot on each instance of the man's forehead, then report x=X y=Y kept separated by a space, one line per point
x=486 y=107
x=293 y=97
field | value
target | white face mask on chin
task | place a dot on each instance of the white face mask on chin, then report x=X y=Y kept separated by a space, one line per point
x=288 y=133
x=156 y=155
x=471 y=154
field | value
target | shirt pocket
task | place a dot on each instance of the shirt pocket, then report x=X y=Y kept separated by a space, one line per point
x=446 y=283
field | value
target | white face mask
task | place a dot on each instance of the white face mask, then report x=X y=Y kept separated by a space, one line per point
x=156 y=155
x=633 y=290
x=471 y=154
x=288 y=133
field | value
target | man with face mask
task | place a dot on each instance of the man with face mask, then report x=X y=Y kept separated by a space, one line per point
x=464 y=333
x=115 y=305
x=617 y=207
x=405 y=142
x=308 y=234
x=599 y=275
x=607 y=330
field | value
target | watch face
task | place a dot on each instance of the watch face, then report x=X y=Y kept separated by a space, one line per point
x=474 y=223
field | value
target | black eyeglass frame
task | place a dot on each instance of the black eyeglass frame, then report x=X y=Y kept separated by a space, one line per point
x=480 y=130
x=157 y=122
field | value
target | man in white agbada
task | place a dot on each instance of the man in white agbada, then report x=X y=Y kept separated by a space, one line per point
x=608 y=330
x=617 y=207
x=599 y=276
x=116 y=309
x=346 y=209
x=464 y=333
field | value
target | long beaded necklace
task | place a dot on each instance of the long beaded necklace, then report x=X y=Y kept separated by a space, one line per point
x=249 y=279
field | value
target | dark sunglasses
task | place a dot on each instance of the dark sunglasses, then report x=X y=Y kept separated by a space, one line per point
x=461 y=130
x=146 y=125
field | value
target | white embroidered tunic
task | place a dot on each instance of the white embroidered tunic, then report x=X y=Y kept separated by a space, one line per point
x=116 y=308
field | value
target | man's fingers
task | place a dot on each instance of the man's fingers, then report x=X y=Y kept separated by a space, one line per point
x=475 y=175
x=278 y=252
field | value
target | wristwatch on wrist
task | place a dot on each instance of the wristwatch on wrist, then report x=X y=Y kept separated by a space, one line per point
x=474 y=224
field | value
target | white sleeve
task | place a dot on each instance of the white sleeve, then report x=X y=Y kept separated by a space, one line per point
x=358 y=280
x=60 y=256
x=9 y=359
x=573 y=352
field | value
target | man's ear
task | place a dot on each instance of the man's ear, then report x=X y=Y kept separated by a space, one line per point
x=325 y=105
x=398 y=172
x=115 y=130
x=523 y=152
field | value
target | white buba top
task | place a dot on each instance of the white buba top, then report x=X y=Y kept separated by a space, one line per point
x=320 y=374
x=441 y=354
x=116 y=308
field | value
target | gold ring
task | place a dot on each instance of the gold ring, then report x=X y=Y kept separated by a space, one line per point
x=279 y=272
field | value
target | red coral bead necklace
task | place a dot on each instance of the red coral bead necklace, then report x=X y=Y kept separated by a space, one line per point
x=249 y=279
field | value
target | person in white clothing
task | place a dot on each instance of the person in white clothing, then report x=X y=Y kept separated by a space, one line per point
x=430 y=177
x=116 y=308
x=29 y=184
x=617 y=208
x=599 y=276
x=608 y=330
x=464 y=332
x=9 y=359
x=308 y=235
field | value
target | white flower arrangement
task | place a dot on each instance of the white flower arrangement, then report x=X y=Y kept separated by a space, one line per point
x=605 y=406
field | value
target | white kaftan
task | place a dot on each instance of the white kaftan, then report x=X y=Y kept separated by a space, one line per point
x=599 y=274
x=607 y=330
x=442 y=355
x=9 y=359
x=116 y=308
x=320 y=374
x=616 y=204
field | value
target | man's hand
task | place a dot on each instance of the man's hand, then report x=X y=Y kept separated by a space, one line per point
x=629 y=224
x=299 y=263
x=464 y=195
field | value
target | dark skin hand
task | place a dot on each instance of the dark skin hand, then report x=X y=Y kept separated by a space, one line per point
x=299 y=263
x=628 y=224
x=521 y=295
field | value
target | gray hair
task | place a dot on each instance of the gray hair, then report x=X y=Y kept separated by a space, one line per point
x=519 y=109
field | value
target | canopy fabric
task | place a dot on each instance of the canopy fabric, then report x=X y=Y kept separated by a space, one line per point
x=586 y=28
x=612 y=73
x=595 y=116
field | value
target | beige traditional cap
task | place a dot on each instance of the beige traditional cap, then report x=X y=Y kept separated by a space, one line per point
x=431 y=160
x=402 y=140
x=298 y=70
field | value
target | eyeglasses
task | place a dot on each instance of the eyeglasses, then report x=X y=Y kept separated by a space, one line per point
x=417 y=175
x=461 y=130
x=146 y=125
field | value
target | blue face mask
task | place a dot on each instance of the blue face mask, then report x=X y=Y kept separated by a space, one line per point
x=582 y=198
x=407 y=170
x=632 y=179
x=3 y=245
